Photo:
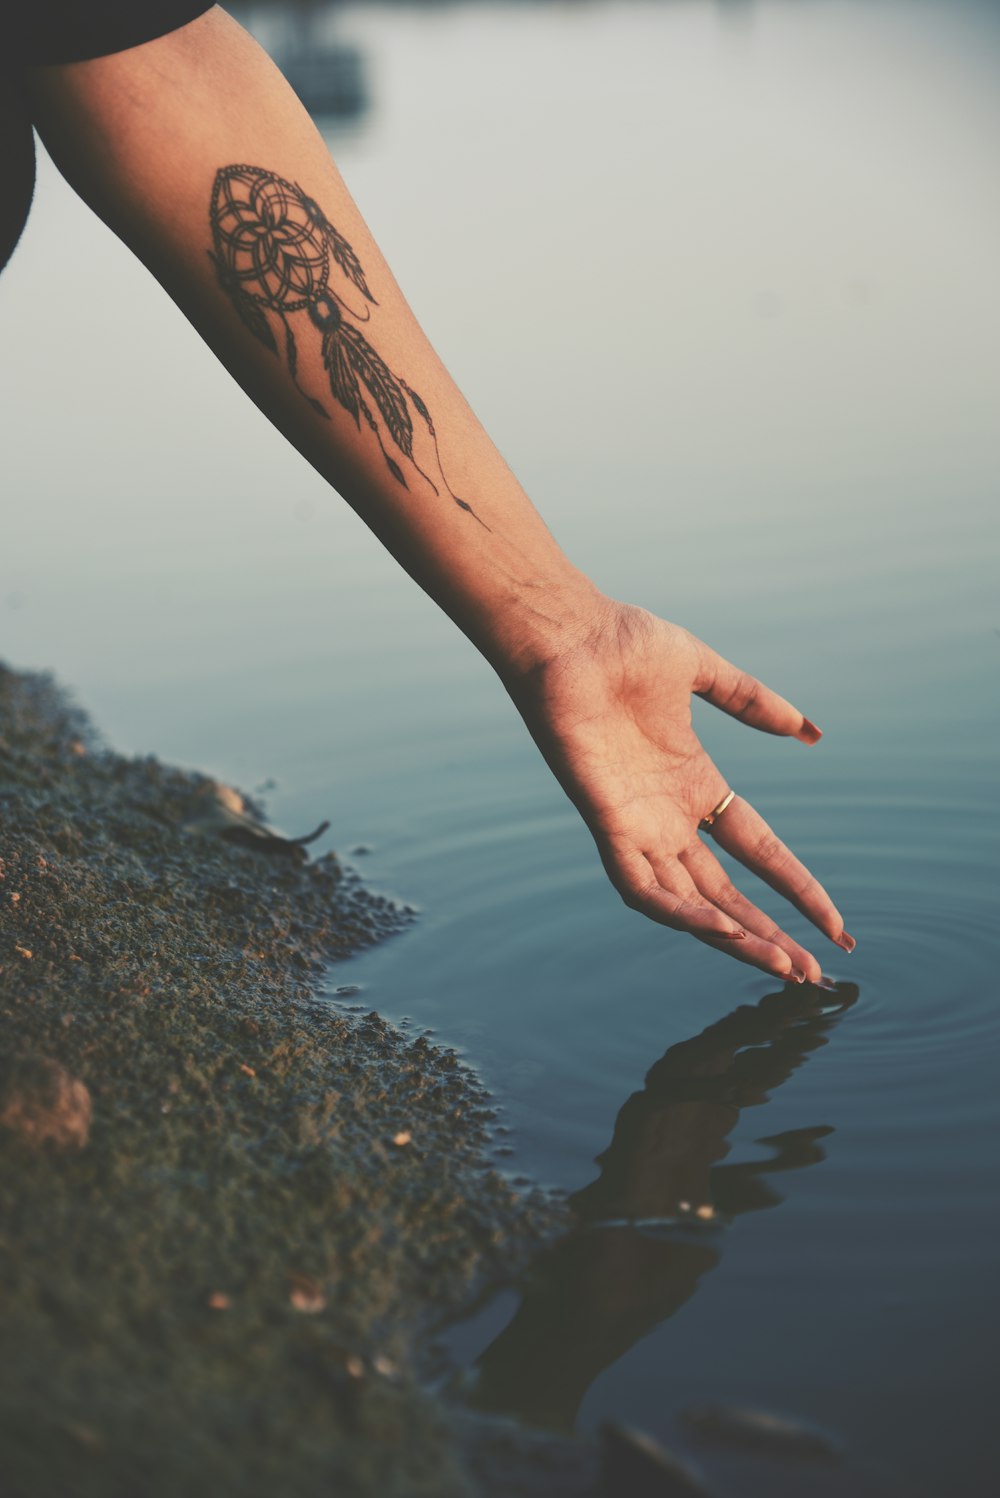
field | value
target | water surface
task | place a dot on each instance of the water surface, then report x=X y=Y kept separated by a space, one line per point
x=721 y=281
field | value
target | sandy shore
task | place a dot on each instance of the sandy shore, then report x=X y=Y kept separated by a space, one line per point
x=230 y=1211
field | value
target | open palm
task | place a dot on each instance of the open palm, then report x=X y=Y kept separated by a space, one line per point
x=613 y=718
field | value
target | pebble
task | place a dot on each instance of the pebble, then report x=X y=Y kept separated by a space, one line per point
x=42 y=1103
x=306 y=1295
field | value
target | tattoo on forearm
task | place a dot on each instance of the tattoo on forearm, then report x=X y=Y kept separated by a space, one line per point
x=275 y=250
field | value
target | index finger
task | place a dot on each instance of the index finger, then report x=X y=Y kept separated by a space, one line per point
x=745 y=834
x=741 y=695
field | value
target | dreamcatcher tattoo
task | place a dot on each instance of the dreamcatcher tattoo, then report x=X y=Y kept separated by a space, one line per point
x=275 y=250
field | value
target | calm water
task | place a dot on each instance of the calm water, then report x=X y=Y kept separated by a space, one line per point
x=721 y=280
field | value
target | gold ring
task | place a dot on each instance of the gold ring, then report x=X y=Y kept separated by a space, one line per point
x=707 y=821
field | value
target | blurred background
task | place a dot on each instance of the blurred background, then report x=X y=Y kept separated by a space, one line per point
x=719 y=276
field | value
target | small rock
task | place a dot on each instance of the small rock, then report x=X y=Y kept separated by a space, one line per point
x=42 y=1103
x=306 y=1295
x=86 y=1435
x=22 y=951
x=219 y=1301
x=403 y=1137
x=706 y=1212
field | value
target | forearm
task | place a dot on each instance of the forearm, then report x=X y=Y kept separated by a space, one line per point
x=196 y=152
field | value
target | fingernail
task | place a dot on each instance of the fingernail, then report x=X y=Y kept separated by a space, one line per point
x=729 y=935
x=845 y=941
x=809 y=733
x=795 y=975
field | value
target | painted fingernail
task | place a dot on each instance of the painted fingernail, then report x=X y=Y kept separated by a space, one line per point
x=809 y=733
x=730 y=935
x=795 y=975
x=845 y=941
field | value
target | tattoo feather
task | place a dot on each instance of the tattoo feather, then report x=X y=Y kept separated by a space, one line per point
x=344 y=255
x=343 y=385
x=391 y=463
x=421 y=409
x=346 y=259
x=373 y=372
x=273 y=248
x=249 y=313
x=291 y=352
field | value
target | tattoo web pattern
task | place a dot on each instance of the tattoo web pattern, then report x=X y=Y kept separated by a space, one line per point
x=274 y=250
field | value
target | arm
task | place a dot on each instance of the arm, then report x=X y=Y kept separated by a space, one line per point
x=197 y=153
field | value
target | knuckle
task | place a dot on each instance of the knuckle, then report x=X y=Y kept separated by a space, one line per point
x=636 y=896
x=767 y=849
x=725 y=894
x=745 y=693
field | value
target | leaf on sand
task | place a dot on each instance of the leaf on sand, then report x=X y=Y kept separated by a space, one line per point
x=219 y=811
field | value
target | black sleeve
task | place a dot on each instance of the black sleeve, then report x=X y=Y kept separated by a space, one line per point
x=51 y=31
x=56 y=31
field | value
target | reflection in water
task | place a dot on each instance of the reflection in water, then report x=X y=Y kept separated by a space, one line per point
x=650 y=1223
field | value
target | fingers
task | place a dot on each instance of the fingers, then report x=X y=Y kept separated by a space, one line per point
x=632 y=876
x=714 y=884
x=742 y=696
x=666 y=893
x=757 y=950
x=745 y=834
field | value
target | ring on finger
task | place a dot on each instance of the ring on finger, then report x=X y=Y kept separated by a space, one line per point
x=713 y=815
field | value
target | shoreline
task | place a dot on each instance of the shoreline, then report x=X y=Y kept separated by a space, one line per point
x=231 y=1210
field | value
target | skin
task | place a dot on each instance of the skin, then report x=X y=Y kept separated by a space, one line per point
x=604 y=688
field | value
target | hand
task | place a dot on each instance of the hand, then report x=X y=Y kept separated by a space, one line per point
x=612 y=715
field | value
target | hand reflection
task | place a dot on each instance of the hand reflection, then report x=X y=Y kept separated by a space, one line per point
x=642 y=1244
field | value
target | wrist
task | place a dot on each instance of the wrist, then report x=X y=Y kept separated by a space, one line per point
x=543 y=620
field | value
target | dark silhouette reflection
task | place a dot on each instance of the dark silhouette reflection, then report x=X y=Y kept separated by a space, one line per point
x=649 y=1225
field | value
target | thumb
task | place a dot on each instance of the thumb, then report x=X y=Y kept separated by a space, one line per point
x=725 y=686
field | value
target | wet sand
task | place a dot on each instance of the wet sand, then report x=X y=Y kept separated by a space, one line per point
x=231 y=1211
